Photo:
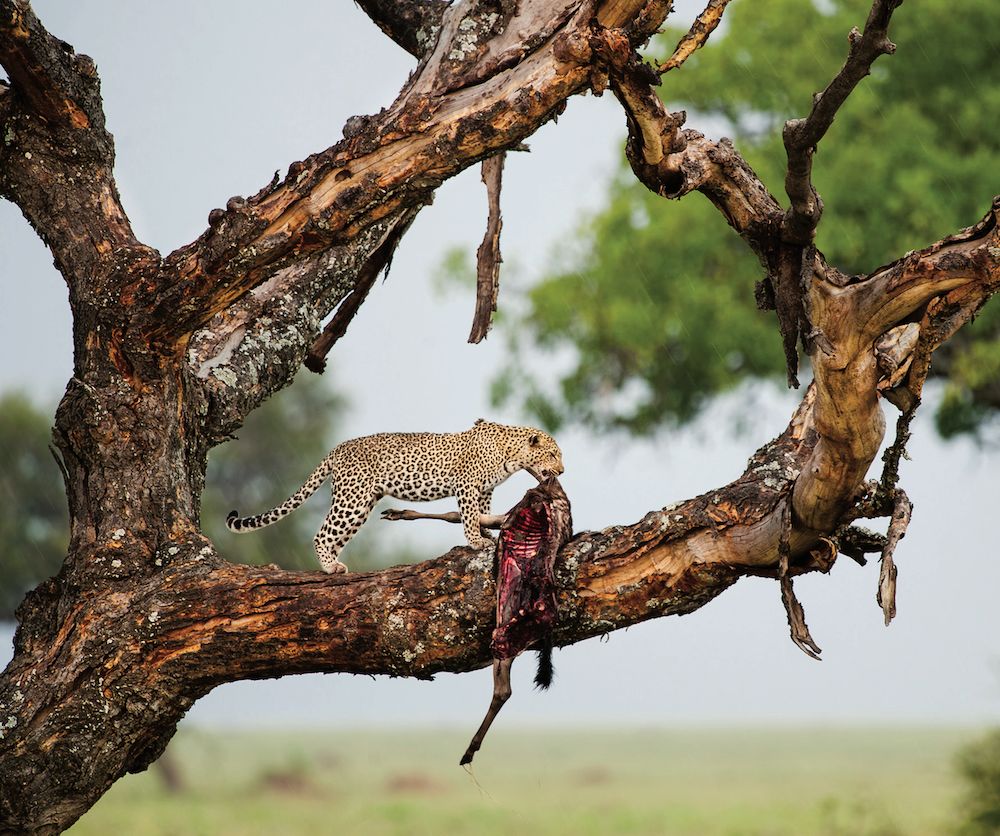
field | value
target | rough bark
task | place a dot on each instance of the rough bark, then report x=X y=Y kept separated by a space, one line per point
x=172 y=353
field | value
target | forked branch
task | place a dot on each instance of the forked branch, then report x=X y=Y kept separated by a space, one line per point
x=59 y=85
x=801 y=136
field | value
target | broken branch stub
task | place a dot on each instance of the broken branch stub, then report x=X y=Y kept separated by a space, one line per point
x=697 y=35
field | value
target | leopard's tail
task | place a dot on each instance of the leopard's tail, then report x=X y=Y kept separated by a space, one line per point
x=234 y=522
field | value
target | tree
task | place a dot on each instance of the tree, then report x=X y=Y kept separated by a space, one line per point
x=654 y=338
x=173 y=352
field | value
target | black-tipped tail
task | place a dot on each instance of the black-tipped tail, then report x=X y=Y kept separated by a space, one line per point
x=233 y=521
x=545 y=671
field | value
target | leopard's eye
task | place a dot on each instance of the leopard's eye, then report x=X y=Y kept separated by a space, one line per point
x=534 y=441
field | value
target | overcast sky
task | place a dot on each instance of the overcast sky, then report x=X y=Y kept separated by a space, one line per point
x=206 y=101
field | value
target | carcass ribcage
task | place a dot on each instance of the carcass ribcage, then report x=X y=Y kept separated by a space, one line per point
x=526 y=598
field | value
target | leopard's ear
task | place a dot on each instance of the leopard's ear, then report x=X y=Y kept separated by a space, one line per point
x=479 y=421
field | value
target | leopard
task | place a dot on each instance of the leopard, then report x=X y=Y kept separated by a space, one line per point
x=415 y=467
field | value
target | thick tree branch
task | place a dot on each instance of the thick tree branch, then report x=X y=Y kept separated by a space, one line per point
x=413 y=24
x=200 y=621
x=847 y=316
x=801 y=136
x=436 y=127
x=56 y=158
x=949 y=281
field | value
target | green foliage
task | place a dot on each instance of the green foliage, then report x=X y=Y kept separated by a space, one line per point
x=978 y=765
x=34 y=523
x=653 y=303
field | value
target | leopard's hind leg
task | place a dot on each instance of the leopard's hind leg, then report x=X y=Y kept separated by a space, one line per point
x=349 y=509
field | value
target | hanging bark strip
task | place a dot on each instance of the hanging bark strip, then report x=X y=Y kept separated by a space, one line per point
x=530 y=539
x=488 y=255
x=798 y=629
x=901 y=513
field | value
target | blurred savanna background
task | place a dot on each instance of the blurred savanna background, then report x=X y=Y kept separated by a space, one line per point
x=627 y=326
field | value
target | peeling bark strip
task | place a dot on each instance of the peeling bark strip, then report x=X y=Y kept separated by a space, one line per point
x=172 y=353
x=488 y=256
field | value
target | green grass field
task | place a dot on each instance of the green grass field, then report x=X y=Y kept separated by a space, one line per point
x=766 y=781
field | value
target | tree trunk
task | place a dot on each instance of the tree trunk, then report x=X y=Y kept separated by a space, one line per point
x=172 y=353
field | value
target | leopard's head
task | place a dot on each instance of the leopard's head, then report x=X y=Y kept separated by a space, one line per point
x=536 y=452
x=541 y=456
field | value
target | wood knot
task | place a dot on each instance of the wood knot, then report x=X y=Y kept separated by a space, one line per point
x=572 y=48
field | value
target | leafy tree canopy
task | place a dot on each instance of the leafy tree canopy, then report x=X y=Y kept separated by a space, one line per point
x=652 y=336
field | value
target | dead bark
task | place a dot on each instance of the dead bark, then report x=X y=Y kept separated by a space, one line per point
x=172 y=353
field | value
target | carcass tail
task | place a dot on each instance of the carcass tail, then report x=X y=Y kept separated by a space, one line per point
x=545 y=671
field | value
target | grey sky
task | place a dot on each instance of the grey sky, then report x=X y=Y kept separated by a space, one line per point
x=208 y=100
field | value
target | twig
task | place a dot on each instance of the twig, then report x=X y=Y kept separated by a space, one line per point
x=802 y=135
x=61 y=465
x=702 y=27
x=895 y=452
x=381 y=258
x=488 y=256
x=856 y=541
x=797 y=621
